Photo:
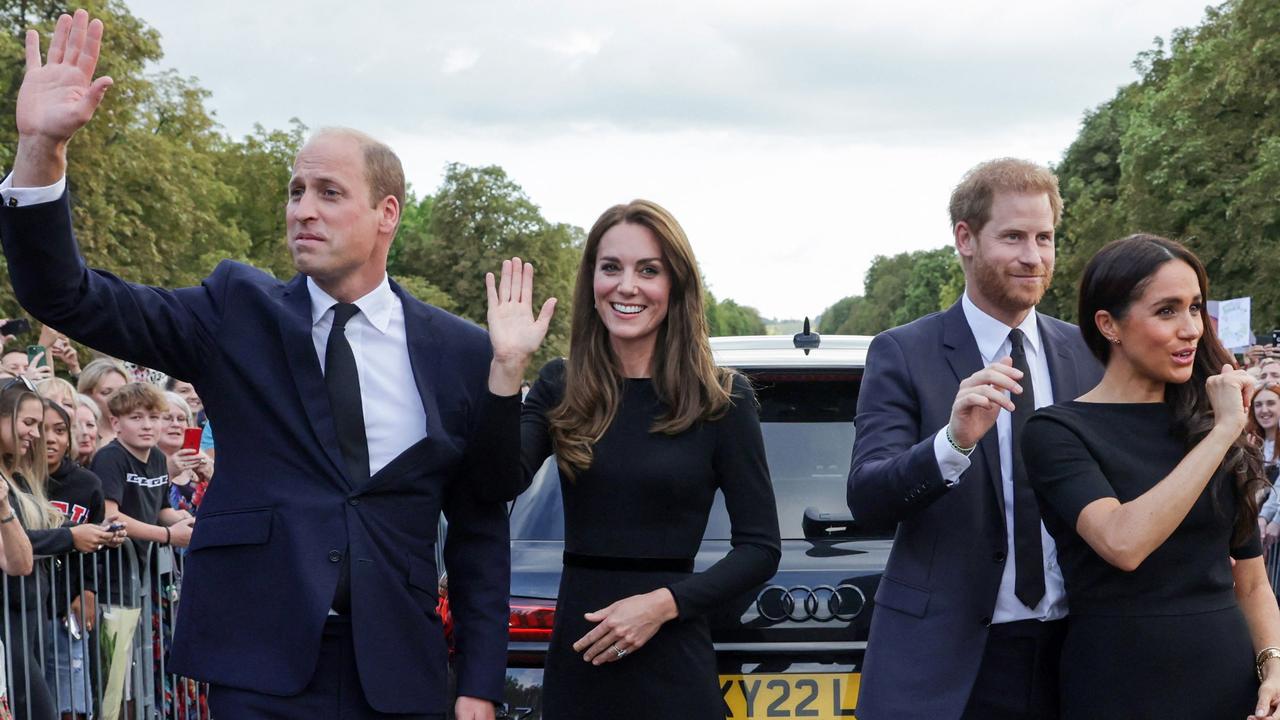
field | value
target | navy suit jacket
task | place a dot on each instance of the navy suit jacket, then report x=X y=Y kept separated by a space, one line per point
x=935 y=600
x=283 y=510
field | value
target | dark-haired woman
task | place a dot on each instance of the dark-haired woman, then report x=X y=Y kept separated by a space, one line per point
x=75 y=492
x=645 y=429
x=1150 y=486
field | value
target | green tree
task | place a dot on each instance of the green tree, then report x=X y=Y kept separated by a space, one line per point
x=1191 y=151
x=258 y=168
x=897 y=289
x=477 y=218
x=148 y=200
x=726 y=317
x=833 y=317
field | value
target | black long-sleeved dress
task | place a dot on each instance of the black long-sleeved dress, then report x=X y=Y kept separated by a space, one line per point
x=647 y=497
x=1167 y=640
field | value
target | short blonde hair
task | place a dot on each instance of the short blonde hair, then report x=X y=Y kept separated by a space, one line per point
x=93 y=373
x=58 y=390
x=971 y=200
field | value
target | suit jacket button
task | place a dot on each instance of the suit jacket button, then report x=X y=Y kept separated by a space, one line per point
x=999 y=557
x=335 y=556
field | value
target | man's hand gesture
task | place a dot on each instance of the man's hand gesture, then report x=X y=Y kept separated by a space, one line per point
x=57 y=97
x=981 y=397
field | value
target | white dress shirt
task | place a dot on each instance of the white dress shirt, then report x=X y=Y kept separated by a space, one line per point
x=993 y=344
x=394 y=418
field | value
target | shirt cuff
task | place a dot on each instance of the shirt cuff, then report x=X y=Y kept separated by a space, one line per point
x=951 y=462
x=20 y=197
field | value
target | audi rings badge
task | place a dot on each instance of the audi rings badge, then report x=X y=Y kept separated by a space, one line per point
x=801 y=603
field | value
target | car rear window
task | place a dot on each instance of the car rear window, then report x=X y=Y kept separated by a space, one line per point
x=807 y=423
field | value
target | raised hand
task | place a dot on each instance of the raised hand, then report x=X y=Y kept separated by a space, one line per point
x=57 y=98
x=513 y=330
x=980 y=399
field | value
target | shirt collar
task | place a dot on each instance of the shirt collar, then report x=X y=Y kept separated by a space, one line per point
x=375 y=305
x=992 y=334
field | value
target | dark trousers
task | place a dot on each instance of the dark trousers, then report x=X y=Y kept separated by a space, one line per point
x=1018 y=679
x=334 y=691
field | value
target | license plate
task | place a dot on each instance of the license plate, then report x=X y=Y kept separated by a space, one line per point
x=820 y=696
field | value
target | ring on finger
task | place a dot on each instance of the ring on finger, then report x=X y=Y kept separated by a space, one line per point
x=617 y=650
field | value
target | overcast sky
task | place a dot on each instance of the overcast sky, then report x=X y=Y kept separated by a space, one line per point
x=794 y=140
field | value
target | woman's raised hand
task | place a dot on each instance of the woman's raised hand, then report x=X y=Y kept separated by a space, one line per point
x=1229 y=394
x=514 y=331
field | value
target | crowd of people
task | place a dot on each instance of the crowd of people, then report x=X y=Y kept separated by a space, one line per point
x=92 y=457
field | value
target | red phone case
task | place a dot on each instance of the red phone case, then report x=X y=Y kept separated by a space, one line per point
x=191 y=438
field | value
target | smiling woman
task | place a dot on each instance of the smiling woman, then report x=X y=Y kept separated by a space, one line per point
x=646 y=429
x=1150 y=486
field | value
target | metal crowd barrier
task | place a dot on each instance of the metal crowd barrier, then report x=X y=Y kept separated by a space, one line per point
x=1272 y=557
x=116 y=669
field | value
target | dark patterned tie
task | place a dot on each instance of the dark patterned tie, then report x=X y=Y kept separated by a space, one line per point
x=1028 y=553
x=343 y=384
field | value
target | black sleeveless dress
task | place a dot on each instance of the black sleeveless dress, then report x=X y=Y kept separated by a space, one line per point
x=646 y=497
x=1167 y=640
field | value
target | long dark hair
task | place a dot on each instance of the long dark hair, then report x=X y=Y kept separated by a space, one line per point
x=685 y=376
x=1117 y=276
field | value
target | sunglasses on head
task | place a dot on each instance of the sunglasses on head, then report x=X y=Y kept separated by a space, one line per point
x=22 y=380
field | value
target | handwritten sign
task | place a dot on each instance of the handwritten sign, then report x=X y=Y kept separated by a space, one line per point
x=1233 y=323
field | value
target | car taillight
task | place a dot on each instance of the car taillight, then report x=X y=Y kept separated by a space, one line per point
x=531 y=620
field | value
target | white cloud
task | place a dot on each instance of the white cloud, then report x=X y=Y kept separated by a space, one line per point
x=794 y=140
x=458 y=60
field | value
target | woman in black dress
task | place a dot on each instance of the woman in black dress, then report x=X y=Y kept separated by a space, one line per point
x=645 y=429
x=1150 y=487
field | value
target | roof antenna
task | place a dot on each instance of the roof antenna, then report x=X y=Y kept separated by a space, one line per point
x=806 y=340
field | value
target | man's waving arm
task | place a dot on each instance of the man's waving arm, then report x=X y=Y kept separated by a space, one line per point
x=167 y=330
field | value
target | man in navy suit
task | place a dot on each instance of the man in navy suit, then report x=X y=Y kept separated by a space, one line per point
x=968 y=617
x=349 y=416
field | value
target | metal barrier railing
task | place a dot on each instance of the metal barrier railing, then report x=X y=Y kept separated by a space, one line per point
x=85 y=636
x=1271 y=556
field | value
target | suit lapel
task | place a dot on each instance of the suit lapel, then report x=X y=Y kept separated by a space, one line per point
x=961 y=350
x=424 y=356
x=1063 y=373
x=295 y=329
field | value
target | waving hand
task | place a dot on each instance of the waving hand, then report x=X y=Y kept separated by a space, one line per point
x=514 y=331
x=58 y=96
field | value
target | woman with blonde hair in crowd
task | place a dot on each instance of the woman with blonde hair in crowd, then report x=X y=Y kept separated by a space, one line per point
x=645 y=428
x=189 y=470
x=59 y=391
x=86 y=429
x=98 y=380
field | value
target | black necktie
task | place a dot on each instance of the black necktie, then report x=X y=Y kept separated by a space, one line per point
x=1028 y=554
x=343 y=383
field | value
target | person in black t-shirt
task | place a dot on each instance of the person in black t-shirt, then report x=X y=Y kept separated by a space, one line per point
x=134 y=473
